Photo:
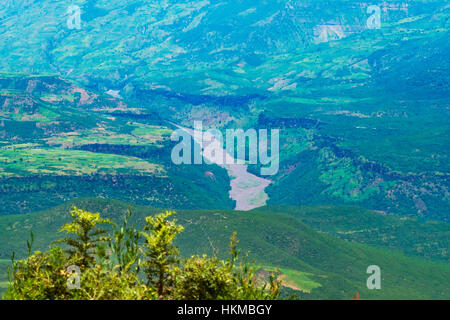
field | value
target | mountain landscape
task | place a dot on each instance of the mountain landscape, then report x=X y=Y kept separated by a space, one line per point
x=88 y=113
x=314 y=264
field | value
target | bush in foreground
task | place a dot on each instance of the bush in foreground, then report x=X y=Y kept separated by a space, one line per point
x=128 y=264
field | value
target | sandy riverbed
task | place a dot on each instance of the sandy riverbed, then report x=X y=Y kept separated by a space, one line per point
x=247 y=189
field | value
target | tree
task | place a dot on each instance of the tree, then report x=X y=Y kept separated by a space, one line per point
x=161 y=255
x=203 y=278
x=47 y=276
x=87 y=236
x=39 y=277
x=246 y=284
x=124 y=246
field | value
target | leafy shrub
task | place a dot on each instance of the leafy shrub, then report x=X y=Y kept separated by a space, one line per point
x=110 y=266
x=203 y=278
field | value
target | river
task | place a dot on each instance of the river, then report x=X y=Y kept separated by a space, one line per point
x=247 y=189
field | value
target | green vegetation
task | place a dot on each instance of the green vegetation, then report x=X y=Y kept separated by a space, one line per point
x=375 y=142
x=49 y=161
x=293 y=279
x=4 y=263
x=411 y=235
x=55 y=148
x=48 y=275
x=364 y=141
x=273 y=239
x=18 y=160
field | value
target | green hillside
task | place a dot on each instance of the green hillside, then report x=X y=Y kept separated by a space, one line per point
x=412 y=235
x=59 y=142
x=87 y=114
x=327 y=267
x=3 y=274
x=363 y=112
